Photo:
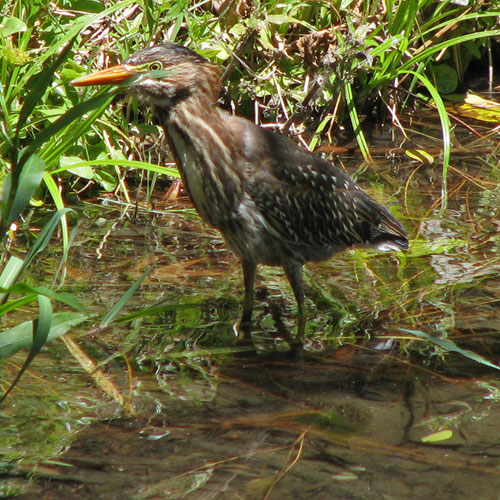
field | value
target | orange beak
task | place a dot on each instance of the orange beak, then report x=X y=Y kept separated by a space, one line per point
x=114 y=75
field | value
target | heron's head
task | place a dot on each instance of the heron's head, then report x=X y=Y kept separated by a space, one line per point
x=162 y=75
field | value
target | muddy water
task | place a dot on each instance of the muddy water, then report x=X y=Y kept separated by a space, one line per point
x=348 y=426
x=370 y=412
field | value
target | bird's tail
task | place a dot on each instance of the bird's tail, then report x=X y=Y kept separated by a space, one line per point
x=388 y=233
x=381 y=229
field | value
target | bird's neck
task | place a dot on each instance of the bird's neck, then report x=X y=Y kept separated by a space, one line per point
x=201 y=139
x=203 y=127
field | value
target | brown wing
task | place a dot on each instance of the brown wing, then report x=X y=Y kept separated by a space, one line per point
x=309 y=201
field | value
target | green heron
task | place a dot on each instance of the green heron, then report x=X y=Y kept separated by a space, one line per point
x=274 y=202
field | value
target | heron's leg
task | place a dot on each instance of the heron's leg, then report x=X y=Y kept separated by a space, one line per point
x=249 y=269
x=293 y=272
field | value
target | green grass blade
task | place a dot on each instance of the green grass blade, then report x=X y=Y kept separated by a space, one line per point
x=47 y=327
x=449 y=346
x=12 y=305
x=445 y=126
x=58 y=144
x=353 y=115
x=44 y=237
x=100 y=100
x=68 y=32
x=63 y=297
x=66 y=246
x=56 y=195
x=433 y=24
x=426 y=54
x=38 y=86
x=113 y=312
x=317 y=132
x=141 y=165
x=405 y=16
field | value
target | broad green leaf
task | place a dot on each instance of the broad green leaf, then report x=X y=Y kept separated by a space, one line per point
x=11 y=271
x=283 y=19
x=9 y=275
x=436 y=437
x=446 y=78
x=70 y=163
x=21 y=336
x=42 y=329
x=29 y=180
x=11 y=25
x=84 y=172
x=420 y=155
x=106 y=179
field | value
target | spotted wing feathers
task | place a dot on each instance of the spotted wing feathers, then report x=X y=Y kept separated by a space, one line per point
x=309 y=201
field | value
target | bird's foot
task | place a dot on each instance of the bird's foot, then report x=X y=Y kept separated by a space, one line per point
x=244 y=344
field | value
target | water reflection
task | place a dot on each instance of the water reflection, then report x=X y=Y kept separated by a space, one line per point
x=349 y=425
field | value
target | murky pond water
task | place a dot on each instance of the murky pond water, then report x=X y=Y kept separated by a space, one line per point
x=272 y=429
x=370 y=412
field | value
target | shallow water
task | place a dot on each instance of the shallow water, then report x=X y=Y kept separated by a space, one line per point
x=371 y=411
x=272 y=429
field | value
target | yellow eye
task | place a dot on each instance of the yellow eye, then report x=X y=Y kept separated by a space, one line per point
x=155 y=66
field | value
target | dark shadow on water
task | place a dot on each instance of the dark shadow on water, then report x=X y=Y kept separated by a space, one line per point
x=349 y=426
